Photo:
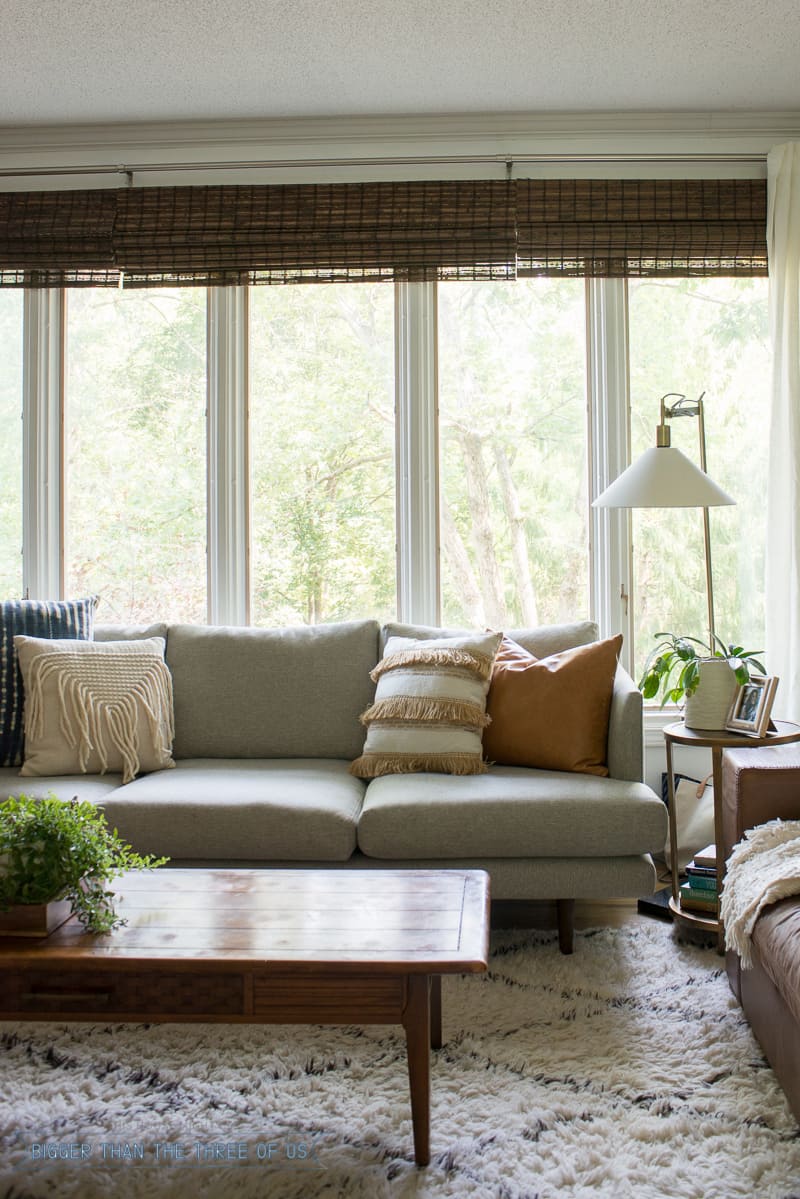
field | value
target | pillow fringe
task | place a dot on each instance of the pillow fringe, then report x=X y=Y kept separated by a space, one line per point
x=464 y=659
x=89 y=723
x=370 y=766
x=419 y=708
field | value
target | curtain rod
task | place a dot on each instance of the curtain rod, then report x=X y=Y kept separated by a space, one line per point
x=129 y=169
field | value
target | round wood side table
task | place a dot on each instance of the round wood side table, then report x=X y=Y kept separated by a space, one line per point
x=782 y=733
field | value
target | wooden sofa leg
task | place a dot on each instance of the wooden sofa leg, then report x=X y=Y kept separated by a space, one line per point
x=566 y=924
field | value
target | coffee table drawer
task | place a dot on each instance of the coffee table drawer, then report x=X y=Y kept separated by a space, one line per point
x=346 y=999
x=102 y=993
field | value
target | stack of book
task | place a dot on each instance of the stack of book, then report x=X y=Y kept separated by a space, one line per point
x=699 y=892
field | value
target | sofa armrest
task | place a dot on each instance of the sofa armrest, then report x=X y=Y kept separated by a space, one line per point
x=758 y=784
x=625 y=731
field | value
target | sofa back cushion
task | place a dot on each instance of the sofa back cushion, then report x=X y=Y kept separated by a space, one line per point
x=271 y=693
x=543 y=641
x=130 y=632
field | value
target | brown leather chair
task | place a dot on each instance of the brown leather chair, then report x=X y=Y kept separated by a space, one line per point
x=760 y=785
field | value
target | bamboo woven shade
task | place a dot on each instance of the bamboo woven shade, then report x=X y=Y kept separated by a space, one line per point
x=48 y=239
x=414 y=231
x=328 y=232
x=634 y=227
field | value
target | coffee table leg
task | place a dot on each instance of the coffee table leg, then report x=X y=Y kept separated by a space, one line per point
x=417 y=1023
x=436 y=1011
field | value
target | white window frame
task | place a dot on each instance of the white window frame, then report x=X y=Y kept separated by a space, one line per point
x=43 y=443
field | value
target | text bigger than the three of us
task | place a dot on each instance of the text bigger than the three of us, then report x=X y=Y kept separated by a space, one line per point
x=205 y=1152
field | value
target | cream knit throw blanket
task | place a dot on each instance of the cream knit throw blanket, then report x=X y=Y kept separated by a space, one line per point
x=762 y=869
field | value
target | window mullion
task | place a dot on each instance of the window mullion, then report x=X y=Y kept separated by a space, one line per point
x=609 y=426
x=43 y=444
x=228 y=468
x=417 y=453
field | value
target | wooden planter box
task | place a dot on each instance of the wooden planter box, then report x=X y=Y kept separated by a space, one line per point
x=34 y=919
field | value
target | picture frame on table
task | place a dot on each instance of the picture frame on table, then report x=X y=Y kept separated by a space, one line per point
x=751 y=707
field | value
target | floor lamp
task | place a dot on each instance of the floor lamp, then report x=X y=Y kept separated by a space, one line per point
x=663 y=477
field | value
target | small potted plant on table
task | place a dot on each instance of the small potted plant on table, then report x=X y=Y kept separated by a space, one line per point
x=56 y=859
x=702 y=674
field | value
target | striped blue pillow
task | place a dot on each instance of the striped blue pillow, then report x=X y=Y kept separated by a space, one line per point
x=32 y=618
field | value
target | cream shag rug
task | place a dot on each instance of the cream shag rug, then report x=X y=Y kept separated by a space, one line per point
x=624 y=1070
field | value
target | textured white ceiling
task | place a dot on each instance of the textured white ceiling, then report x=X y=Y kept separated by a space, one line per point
x=130 y=60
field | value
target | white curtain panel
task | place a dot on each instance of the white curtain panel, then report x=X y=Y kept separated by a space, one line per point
x=783 y=501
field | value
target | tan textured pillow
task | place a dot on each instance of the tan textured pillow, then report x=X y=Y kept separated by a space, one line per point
x=95 y=706
x=430 y=706
x=551 y=713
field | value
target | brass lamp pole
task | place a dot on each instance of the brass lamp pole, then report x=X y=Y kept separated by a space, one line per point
x=686 y=407
x=663 y=477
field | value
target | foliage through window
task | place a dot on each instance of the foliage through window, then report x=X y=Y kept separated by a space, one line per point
x=322 y=453
x=512 y=429
x=136 y=452
x=694 y=336
x=11 y=303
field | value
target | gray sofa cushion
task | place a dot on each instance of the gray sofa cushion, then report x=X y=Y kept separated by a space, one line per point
x=509 y=812
x=129 y=632
x=271 y=693
x=94 y=787
x=542 y=641
x=296 y=810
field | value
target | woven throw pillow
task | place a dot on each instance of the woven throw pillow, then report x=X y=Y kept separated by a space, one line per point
x=32 y=618
x=552 y=713
x=95 y=706
x=430 y=707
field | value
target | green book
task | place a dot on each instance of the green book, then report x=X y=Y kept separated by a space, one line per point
x=702 y=882
x=698 y=901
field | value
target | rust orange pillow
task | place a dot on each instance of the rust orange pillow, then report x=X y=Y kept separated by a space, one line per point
x=551 y=713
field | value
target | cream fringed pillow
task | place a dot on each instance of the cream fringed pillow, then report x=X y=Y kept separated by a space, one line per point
x=430 y=707
x=96 y=706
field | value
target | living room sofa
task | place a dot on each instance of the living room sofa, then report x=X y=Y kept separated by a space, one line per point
x=266 y=725
x=759 y=785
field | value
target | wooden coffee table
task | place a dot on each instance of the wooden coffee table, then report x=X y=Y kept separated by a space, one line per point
x=266 y=947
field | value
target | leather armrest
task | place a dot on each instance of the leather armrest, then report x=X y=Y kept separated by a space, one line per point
x=758 y=785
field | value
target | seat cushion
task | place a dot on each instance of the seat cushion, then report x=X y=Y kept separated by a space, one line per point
x=93 y=787
x=509 y=812
x=297 y=810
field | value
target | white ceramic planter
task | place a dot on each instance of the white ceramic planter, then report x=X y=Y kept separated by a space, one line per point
x=708 y=708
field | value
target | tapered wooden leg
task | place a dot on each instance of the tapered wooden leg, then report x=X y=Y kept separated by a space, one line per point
x=436 y=1011
x=417 y=1023
x=566 y=924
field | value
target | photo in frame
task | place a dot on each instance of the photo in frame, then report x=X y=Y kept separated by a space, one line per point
x=751 y=708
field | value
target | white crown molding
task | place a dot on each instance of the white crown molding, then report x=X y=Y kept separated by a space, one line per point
x=392 y=147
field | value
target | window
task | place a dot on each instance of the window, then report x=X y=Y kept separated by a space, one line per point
x=322 y=453
x=11 y=304
x=327 y=366
x=136 y=452
x=512 y=432
x=693 y=336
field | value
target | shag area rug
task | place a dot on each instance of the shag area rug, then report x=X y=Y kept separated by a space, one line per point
x=624 y=1070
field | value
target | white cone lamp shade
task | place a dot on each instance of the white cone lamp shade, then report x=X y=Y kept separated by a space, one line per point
x=663 y=477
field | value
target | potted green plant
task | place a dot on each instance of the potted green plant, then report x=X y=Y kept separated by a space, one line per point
x=703 y=675
x=62 y=853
